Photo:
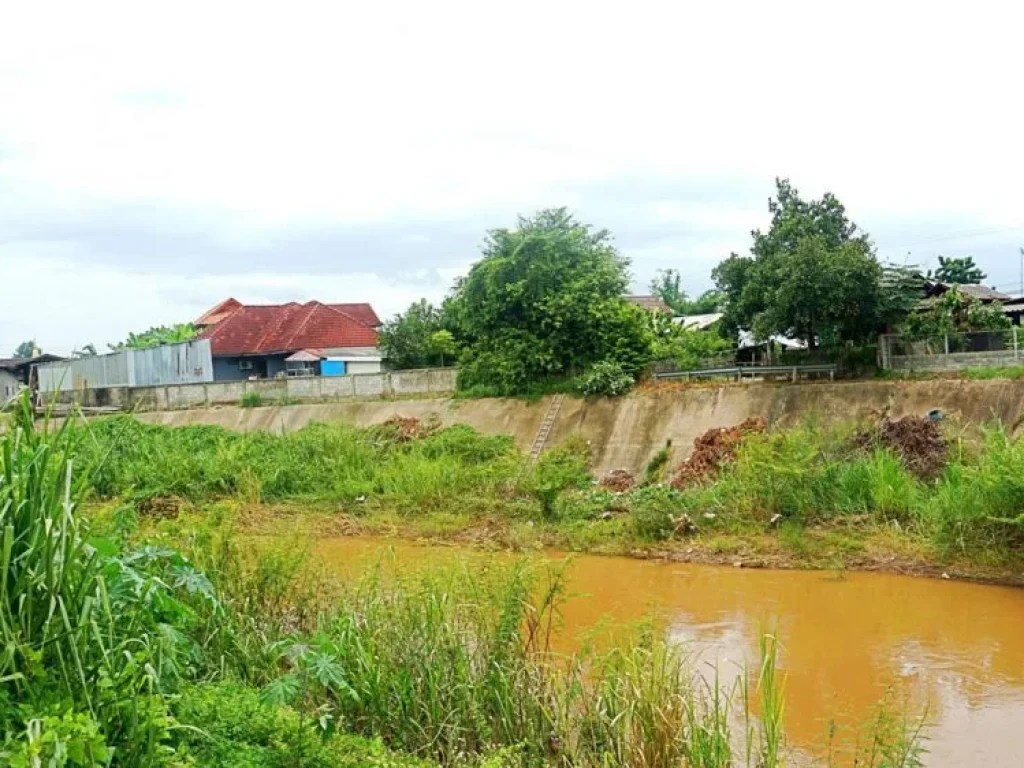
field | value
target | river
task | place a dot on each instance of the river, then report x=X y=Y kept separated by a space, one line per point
x=954 y=648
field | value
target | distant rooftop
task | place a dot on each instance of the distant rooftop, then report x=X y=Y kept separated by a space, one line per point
x=650 y=303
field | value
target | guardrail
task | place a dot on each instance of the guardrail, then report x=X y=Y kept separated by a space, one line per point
x=792 y=372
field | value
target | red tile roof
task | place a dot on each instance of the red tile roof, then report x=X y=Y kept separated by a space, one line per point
x=263 y=329
x=362 y=312
x=218 y=313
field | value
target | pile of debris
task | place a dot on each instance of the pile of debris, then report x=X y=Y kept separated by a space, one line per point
x=713 y=450
x=618 y=480
x=405 y=428
x=918 y=442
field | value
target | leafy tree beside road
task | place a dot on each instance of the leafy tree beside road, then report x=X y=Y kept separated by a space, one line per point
x=545 y=301
x=812 y=275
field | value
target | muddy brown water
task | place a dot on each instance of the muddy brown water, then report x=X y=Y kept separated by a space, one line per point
x=954 y=648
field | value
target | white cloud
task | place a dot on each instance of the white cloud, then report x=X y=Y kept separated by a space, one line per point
x=72 y=304
x=245 y=125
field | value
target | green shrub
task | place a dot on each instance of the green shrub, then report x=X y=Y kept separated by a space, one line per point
x=232 y=726
x=559 y=469
x=653 y=509
x=251 y=400
x=657 y=466
x=606 y=378
x=977 y=506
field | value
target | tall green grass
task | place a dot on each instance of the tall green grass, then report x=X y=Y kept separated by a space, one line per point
x=332 y=463
x=128 y=653
x=89 y=638
x=804 y=475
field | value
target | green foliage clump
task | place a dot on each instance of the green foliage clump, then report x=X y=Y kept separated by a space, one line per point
x=157 y=336
x=418 y=338
x=667 y=285
x=606 y=378
x=959 y=270
x=955 y=312
x=251 y=400
x=560 y=469
x=234 y=726
x=546 y=300
x=977 y=506
x=654 y=510
x=811 y=276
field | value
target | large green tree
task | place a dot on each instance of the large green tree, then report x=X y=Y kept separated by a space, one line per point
x=157 y=336
x=959 y=269
x=812 y=275
x=546 y=300
x=417 y=338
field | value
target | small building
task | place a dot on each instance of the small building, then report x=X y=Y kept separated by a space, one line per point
x=9 y=385
x=286 y=340
x=651 y=304
x=982 y=293
x=1014 y=309
x=18 y=372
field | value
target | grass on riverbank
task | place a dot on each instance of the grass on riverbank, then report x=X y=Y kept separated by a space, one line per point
x=126 y=652
x=808 y=495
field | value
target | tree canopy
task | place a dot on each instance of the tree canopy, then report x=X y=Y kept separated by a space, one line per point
x=26 y=349
x=157 y=336
x=812 y=275
x=667 y=285
x=959 y=269
x=418 y=337
x=546 y=299
x=955 y=312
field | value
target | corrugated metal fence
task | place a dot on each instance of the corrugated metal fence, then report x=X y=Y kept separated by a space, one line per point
x=187 y=363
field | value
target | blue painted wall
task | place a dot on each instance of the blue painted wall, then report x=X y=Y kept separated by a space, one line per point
x=226 y=368
x=332 y=368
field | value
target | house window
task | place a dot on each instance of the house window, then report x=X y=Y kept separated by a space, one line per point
x=303 y=368
x=245 y=365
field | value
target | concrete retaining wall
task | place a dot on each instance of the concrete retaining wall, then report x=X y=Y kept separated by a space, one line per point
x=955 y=361
x=627 y=432
x=181 y=396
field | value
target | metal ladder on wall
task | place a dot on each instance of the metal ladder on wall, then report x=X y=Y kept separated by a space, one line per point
x=545 y=426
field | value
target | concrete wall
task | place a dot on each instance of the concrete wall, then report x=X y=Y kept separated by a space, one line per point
x=176 y=397
x=627 y=432
x=362 y=366
x=955 y=361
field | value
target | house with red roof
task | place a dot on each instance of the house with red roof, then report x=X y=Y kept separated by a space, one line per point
x=277 y=340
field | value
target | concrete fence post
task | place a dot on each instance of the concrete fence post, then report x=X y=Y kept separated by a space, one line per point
x=1016 y=351
x=945 y=339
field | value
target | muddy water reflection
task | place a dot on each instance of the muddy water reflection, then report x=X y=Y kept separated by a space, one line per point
x=959 y=648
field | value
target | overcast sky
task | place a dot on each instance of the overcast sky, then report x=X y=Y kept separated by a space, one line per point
x=155 y=162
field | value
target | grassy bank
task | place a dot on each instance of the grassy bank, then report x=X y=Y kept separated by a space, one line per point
x=806 y=496
x=119 y=650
